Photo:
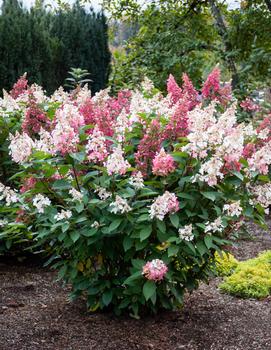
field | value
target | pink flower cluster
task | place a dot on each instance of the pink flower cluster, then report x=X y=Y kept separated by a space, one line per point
x=249 y=106
x=165 y=204
x=163 y=163
x=35 y=120
x=155 y=270
x=96 y=147
x=19 y=87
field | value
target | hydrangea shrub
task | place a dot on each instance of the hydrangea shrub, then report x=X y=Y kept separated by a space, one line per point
x=135 y=193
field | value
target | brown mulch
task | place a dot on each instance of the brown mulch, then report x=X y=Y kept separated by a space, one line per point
x=35 y=314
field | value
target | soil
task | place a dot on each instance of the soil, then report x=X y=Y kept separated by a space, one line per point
x=35 y=314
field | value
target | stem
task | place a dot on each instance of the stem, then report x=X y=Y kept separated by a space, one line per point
x=76 y=179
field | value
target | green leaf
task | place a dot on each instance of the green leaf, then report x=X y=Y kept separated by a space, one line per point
x=149 y=289
x=208 y=240
x=114 y=224
x=210 y=195
x=80 y=156
x=175 y=220
x=74 y=236
x=161 y=226
x=172 y=250
x=61 y=185
x=145 y=232
x=107 y=297
x=127 y=243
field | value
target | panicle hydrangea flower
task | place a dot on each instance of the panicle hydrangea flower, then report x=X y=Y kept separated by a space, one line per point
x=163 y=163
x=186 y=233
x=64 y=138
x=120 y=205
x=34 y=119
x=102 y=193
x=70 y=115
x=262 y=196
x=261 y=159
x=136 y=180
x=155 y=270
x=64 y=214
x=28 y=184
x=19 y=87
x=210 y=171
x=122 y=125
x=95 y=224
x=163 y=205
x=45 y=143
x=173 y=89
x=249 y=106
x=215 y=226
x=76 y=195
x=115 y=163
x=8 y=195
x=96 y=147
x=213 y=90
x=233 y=209
x=40 y=202
x=20 y=147
x=8 y=104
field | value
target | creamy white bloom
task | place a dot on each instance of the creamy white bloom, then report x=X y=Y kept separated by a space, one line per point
x=3 y=223
x=8 y=195
x=164 y=204
x=45 y=142
x=120 y=205
x=261 y=195
x=115 y=163
x=122 y=125
x=40 y=202
x=20 y=147
x=64 y=214
x=137 y=180
x=233 y=209
x=76 y=195
x=210 y=171
x=102 y=193
x=95 y=224
x=186 y=233
x=215 y=226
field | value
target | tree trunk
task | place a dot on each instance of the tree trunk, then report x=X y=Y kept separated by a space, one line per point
x=223 y=32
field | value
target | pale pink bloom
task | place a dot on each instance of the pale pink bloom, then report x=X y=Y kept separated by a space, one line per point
x=261 y=159
x=163 y=205
x=8 y=195
x=163 y=163
x=20 y=147
x=120 y=205
x=261 y=194
x=69 y=115
x=115 y=163
x=249 y=106
x=45 y=142
x=136 y=180
x=96 y=147
x=64 y=138
x=233 y=209
x=155 y=270
x=122 y=125
x=210 y=171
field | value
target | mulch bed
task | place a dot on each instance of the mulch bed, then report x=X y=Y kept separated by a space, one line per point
x=35 y=314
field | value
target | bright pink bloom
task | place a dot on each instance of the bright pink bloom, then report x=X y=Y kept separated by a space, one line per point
x=178 y=123
x=149 y=146
x=249 y=149
x=35 y=120
x=19 y=87
x=190 y=94
x=155 y=270
x=163 y=163
x=173 y=89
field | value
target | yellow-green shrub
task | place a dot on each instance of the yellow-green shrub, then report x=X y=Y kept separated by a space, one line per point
x=225 y=264
x=251 y=279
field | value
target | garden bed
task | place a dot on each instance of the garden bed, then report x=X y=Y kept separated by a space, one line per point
x=35 y=314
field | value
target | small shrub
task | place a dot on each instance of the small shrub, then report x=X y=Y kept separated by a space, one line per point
x=134 y=194
x=251 y=279
x=225 y=264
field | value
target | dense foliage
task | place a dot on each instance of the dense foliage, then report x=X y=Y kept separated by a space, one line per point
x=134 y=194
x=190 y=36
x=47 y=44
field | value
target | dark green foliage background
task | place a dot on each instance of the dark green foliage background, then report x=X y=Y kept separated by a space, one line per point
x=47 y=44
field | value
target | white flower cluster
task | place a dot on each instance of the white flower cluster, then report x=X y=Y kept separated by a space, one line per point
x=20 y=147
x=102 y=193
x=95 y=224
x=163 y=205
x=215 y=226
x=40 y=202
x=137 y=180
x=64 y=214
x=120 y=205
x=116 y=164
x=3 y=223
x=210 y=171
x=262 y=196
x=8 y=195
x=233 y=209
x=186 y=233
x=122 y=125
x=76 y=195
